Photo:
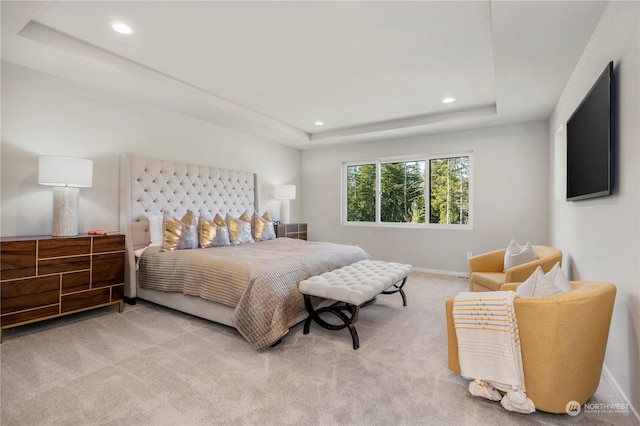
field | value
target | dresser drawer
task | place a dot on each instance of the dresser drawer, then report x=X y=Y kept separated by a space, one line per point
x=65 y=264
x=85 y=299
x=28 y=316
x=108 y=269
x=18 y=259
x=59 y=247
x=108 y=243
x=76 y=281
x=29 y=293
x=291 y=230
x=117 y=292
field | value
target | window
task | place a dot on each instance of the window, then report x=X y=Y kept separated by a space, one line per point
x=449 y=190
x=361 y=193
x=402 y=192
x=392 y=191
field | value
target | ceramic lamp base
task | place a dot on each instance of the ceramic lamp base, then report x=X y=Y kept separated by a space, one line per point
x=65 y=211
x=284 y=211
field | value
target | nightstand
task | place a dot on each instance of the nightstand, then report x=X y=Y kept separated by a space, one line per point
x=46 y=277
x=291 y=230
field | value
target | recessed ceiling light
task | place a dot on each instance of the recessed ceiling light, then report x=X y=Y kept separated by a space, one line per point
x=448 y=100
x=319 y=123
x=121 y=27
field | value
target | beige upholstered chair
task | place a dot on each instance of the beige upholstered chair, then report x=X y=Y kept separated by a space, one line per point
x=486 y=271
x=563 y=342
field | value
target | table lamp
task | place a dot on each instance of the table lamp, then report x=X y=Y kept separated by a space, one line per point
x=284 y=193
x=66 y=175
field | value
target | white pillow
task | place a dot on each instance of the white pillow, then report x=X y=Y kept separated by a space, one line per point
x=557 y=277
x=540 y=284
x=156 y=229
x=517 y=255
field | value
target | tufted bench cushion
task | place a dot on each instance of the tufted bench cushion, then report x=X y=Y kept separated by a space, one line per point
x=355 y=285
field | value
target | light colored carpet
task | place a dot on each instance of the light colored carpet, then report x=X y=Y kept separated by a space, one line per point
x=154 y=366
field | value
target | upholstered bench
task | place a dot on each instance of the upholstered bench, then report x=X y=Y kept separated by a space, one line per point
x=355 y=285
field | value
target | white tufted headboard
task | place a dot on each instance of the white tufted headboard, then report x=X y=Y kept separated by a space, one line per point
x=151 y=186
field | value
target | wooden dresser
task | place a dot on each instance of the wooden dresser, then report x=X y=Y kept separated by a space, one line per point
x=291 y=230
x=45 y=277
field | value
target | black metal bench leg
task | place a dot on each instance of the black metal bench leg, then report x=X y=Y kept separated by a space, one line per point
x=348 y=321
x=398 y=289
x=354 y=336
x=307 y=324
x=352 y=328
x=310 y=310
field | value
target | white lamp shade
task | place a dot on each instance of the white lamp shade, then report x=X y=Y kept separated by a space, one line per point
x=65 y=171
x=285 y=192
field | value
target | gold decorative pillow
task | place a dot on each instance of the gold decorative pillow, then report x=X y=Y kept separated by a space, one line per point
x=179 y=233
x=213 y=232
x=239 y=229
x=262 y=227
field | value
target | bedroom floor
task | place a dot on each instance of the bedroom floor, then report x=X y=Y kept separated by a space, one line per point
x=154 y=366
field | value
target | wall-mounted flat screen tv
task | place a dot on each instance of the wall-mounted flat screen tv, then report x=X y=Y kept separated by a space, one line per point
x=590 y=142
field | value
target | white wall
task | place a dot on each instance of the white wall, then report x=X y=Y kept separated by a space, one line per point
x=45 y=115
x=510 y=195
x=601 y=237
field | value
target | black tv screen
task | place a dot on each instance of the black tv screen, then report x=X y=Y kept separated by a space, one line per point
x=589 y=142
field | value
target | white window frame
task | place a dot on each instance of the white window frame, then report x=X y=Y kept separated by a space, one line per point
x=423 y=157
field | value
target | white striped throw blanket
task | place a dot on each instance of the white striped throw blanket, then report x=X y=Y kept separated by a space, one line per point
x=489 y=347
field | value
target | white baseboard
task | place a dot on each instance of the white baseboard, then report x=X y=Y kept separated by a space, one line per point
x=616 y=386
x=464 y=275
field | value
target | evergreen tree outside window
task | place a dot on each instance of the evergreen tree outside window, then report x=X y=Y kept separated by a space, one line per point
x=449 y=190
x=402 y=192
x=425 y=192
x=361 y=193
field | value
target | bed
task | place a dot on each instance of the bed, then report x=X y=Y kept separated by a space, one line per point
x=251 y=287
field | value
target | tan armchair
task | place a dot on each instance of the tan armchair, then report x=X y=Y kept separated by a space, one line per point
x=563 y=342
x=486 y=270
